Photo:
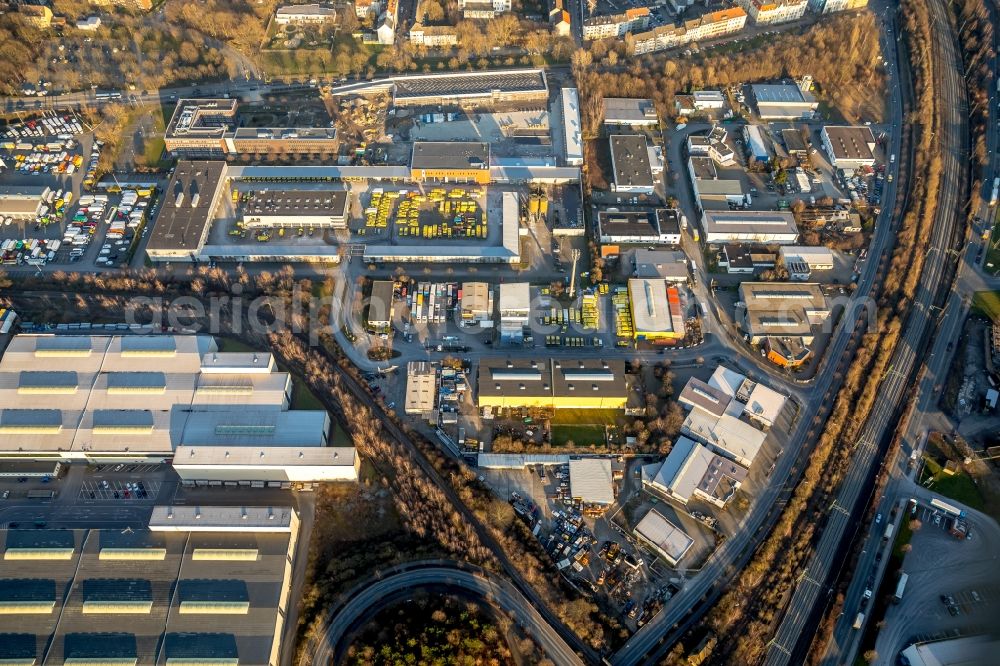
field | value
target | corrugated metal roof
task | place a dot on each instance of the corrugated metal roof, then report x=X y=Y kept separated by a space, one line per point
x=590 y=480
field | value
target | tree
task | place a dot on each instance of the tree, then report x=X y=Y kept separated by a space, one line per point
x=433 y=11
x=502 y=30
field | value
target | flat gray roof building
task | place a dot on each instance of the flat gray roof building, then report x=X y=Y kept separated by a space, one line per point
x=148 y=597
x=627 y=111
x=664 y=537
x=783 y=100
x=590 y=480
x=182 y=225
x=450 y=155
x=630 y=164
x=297 y=207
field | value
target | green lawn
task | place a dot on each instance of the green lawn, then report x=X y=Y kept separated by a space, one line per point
x=231 y=345
x=993 y=251
x=987 y=302
x=580 y=435
x=958 y=487
x=585 y=417
x=302 y=397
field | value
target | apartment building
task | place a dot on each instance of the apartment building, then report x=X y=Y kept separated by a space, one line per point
x=301 y=14
x=616 y=25
x=830 y=6
x=483 y=9
x=704 y=28
x=433 y=35
x=773 y=12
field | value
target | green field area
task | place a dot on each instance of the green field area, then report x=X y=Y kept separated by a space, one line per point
x=579 y=435
x=959 y=486
x=991 y=264
x=988 y=303
x=586 y=417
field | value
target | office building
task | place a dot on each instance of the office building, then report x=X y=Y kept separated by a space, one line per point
x=279 y=141
x=451 y=162
x=666 y=539
x=198 y=127
x=691 y=470
x=630 y=164
x=849 y=147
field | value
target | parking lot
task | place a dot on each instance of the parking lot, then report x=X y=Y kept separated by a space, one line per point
x=118 y=490
x=952 y=588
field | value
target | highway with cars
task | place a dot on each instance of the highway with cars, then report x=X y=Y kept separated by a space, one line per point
x=364 y=601
x=844 y=644
x=654 y=639
x=794 y=635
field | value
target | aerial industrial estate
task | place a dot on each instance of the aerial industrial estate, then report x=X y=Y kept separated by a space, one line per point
x=643 y=362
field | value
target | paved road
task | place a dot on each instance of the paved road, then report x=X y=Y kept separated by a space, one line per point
x=967 y=565
x=364 y=601
x=658 y=635
x=794 y=636
x=844 y=642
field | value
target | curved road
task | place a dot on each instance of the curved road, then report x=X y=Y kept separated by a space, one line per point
x=368 y=596
x=658 y=635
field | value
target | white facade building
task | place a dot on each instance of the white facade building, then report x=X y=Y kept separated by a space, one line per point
x=849 y=147
x=314 y=13
x=514 y=306
x=725 y=226
x=483 y=9
x=772 y=12
x=572 y=134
